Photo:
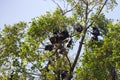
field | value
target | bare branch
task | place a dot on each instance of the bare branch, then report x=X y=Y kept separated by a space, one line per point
x=68 y=11
x=86 y=15
x=64 y=3
x=102 y=7
x=30 y=73
x=92 y=8
x=85 y=2
x=68 y=60
x=82 y=39
x=58 y=5
x=71 y=8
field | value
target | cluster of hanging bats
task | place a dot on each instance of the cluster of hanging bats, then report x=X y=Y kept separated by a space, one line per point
x=62 y=37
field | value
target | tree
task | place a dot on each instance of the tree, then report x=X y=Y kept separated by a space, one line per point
x=39 y=50
x=101 y=59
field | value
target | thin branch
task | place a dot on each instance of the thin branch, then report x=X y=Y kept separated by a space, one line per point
x=58 y=5
x=49 y=60
x=33 y=64
x=68 y=60
x=42 y=43
x=63 y=13
x=1 y=48
x=64 y=3
x=32 y=74
x=85 y=2
x=99 y=12
x=82 y=39
x=102 y=7
x=71 y=8
x=86 y=15
x=67 y=11
x=92 y=8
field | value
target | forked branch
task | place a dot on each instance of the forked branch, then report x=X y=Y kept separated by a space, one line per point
x=82 y=39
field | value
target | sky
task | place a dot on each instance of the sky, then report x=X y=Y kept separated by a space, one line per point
x=13 y=11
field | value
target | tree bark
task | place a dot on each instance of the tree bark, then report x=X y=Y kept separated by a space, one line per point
x=77 y=56
x=113 y=73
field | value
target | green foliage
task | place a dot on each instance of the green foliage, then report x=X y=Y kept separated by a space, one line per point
x=21 y=56
x=99 y=59
x=47 y=24
x=101 y=22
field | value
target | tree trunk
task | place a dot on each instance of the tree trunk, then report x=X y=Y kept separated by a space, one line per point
x=113 y=73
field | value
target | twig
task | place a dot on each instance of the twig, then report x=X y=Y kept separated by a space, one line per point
x=49 y=60
x=92 y=8
x=68 y=60
x=33 y=64
x=64 y=3
x=71 y=8
x=30 y=73
x=86 y=15
x=98 y=13
x=85 y=2
x=58 y=5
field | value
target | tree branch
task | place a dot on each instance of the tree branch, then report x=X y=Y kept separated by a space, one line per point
x=58 y=5
x=77 y=56
x=80 y=43
x=92 y=8
x=71 y=8
x=85 y=2
x=98 y=12
x=86 y=15
x=82 y=39
x=68 y=60
x=33 y=64
x=29 y=73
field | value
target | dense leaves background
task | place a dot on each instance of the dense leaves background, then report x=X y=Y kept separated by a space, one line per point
x=22 y=54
